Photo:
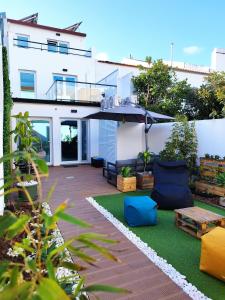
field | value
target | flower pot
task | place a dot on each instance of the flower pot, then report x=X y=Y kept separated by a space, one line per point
x=31 y=187
x=126 y=184
x=145 y=180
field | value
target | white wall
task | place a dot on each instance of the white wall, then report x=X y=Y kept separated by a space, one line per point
x=218 y=59
x=210 y=134
x=46 y=63
x=130 y=140
x=2 y=205
x=55 y=114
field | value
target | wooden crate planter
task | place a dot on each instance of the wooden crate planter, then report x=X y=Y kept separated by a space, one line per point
x=208 y=188
x=211 y=167
x=145 y=181
x=126 y=184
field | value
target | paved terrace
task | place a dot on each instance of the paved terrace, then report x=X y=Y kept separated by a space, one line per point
x=135 y=272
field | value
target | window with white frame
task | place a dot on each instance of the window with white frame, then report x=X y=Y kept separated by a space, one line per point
x=52 y=46
x=27 y=84
x=58 y=46
x=22 y=41
x=63 y=47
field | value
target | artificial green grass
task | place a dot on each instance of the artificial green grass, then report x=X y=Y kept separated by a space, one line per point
x=179 y=248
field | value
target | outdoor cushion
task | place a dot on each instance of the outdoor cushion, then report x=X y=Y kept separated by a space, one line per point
x=172 y=196
x=171 y=188
x=125 y=162
x=140 y=210
x=213 y=253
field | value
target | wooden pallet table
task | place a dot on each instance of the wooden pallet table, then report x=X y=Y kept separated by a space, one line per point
x=198 y=221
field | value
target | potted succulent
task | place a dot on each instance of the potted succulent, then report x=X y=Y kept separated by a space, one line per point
x=23 y=136
x=145 y=179
x=126 y=181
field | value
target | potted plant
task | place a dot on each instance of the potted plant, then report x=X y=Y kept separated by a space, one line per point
x=126 y=181
x=23 y=136
x=145 y=179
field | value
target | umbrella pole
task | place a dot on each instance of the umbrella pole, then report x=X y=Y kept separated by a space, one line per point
x=147 y=128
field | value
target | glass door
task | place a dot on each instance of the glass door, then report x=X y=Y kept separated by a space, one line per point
x=41 y=130
x=69 y=141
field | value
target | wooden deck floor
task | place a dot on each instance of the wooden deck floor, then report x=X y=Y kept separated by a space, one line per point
x=135 y=272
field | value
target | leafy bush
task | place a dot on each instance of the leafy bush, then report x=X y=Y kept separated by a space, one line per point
x=37 y=265
x=182 y=144
x=220 y=179
x=126 y=172
x=145 y=156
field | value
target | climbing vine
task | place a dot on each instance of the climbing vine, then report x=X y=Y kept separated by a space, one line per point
x=7 y=106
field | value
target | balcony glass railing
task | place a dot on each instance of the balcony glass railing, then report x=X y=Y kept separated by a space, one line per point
x=61 y=48
x=62 y=90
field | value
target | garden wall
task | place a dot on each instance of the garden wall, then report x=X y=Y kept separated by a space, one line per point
x=210 y=133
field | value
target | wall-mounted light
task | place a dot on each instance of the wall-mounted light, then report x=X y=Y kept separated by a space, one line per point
x=58 y=34
x=65 y=70
x=73 y=111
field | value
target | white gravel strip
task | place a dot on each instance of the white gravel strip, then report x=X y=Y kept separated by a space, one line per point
x=160 y=262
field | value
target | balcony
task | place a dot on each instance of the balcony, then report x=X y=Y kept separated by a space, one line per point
x=80 y=92
x=21 y=43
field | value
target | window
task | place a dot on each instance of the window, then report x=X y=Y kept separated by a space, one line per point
x=27 y=84
x=63 y=47
x=22 y=41
x=52 y=46
x=65 y=86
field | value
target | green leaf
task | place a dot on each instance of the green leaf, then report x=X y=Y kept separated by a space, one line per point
x=50 y=268
x=17 y=227
x=42 y=165
x=49 y=289
x=72 y=266
x=82 y=255
x=97 y=237
x=98 y=248
x=71 y=219
x=14 y=276
x=60 y=249
x=104 y=288
x=78 y=287
x=6 y=221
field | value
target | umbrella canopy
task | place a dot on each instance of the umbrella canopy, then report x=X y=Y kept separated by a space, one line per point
x=128 y=113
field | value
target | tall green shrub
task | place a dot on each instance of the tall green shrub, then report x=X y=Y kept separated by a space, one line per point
x=7 y=106
x=182 y=144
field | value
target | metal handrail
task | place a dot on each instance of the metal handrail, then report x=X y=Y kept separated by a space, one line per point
x=81 y=82
x=46 y=44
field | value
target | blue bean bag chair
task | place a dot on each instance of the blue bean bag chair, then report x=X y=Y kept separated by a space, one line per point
x=140 y=211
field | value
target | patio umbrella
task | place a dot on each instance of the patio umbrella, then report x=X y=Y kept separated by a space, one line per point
x=130 y=113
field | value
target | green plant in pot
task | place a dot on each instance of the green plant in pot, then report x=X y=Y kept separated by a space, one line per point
x=126 y=172
x=23 y=136
x=145 y=156
x=220 y=179
x=126 y=181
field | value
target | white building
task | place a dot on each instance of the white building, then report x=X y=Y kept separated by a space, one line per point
x=59 y=81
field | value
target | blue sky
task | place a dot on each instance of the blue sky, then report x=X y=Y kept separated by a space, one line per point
x=119 y=28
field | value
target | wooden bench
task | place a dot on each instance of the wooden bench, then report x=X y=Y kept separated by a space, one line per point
x=197 y=221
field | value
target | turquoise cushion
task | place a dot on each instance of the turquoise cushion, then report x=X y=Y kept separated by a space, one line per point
x=140 y=211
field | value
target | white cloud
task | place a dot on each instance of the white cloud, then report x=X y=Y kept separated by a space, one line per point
x=191 y=50
x=102 y=56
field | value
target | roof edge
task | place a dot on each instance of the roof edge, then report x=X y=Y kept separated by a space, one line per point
x=137 y=66
x=19 y=22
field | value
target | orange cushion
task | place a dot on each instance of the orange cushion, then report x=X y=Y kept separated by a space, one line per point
x=213 y=253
